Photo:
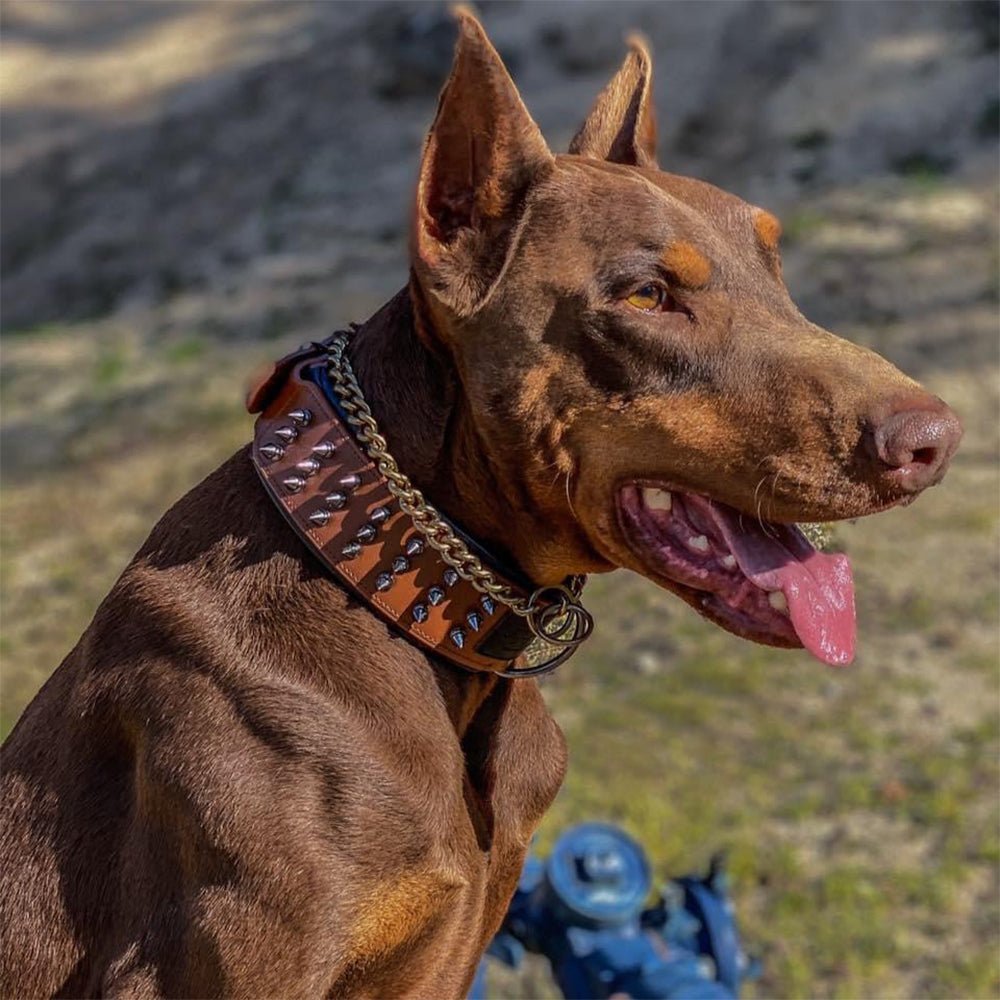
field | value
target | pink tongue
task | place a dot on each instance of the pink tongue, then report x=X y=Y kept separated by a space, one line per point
x=819 y=588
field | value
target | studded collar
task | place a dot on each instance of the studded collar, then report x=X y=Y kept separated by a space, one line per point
x=339 y=503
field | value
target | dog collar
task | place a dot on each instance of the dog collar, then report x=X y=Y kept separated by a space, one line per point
x=361 y=527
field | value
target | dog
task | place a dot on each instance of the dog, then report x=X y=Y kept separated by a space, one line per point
x=243 y=781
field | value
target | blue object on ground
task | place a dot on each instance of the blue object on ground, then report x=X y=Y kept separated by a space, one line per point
x=582 y=909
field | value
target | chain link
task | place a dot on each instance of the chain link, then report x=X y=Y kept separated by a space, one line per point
x=546 y=610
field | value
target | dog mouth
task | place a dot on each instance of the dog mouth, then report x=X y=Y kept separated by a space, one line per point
x=760 y=580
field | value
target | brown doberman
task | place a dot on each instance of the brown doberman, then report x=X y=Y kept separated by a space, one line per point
x=242 y=781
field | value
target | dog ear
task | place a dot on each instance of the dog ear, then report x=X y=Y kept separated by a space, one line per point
x=621 y=126
x=482 y=155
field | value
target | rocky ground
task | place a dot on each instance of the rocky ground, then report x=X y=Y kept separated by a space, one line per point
x=187 y=189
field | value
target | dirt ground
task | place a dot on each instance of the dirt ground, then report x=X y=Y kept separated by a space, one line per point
x=189 y=188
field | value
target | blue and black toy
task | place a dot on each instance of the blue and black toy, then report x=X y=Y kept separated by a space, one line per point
x=583 y=909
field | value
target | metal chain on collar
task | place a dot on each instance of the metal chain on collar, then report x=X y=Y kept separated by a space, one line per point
x=553 y=613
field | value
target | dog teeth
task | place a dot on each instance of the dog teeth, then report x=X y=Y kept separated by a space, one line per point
x=656 y=499
x=729 y=562
x=777 y=600
x=699 y=543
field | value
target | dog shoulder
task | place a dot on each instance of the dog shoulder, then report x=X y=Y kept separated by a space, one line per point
x=220 y=808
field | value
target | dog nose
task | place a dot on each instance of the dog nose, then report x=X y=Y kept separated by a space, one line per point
x=917 y=444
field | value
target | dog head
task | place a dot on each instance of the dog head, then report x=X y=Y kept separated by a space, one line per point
x=635 y=370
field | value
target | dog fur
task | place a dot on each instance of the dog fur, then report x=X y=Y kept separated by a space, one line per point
x=240 y=782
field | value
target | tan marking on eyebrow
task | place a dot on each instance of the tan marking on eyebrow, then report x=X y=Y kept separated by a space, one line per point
x=767 y=228
x=687 y=264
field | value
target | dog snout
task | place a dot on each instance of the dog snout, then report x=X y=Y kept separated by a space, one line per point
x=915 y=443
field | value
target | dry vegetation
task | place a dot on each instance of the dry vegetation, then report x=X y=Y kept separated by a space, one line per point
x=859 y=807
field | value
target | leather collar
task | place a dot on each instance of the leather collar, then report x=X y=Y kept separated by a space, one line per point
x=341 y=506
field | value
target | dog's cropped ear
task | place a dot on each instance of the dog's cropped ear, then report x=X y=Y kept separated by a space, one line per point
x=482 y=155
x=621 y=126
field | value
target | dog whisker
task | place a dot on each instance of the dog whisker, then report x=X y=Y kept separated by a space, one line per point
x=569 y=498
x=774 y=491
x=759 y=500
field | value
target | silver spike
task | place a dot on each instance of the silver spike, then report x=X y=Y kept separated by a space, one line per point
x=383 y=581
x=400 y=564
x=475 y=622
x=335 y=501
x=319 y=517
x=487 y=603
x=367 y=533
x=272 y=452
x=308 y=466
x=379 y=514
x=351 y=549
x=325 y=449
x=351 y=482
x=435 y=595
x=287 y=434
x=420 y=613
x=457 y=636
x=450 y=577
x=293 y=483
x=300 y=417
x=414 y=546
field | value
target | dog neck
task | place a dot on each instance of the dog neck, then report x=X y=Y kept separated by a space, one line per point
x=415 y=396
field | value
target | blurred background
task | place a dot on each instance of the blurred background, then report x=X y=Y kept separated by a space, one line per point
x=191 y=188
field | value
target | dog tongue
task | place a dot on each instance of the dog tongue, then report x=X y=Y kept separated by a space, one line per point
x=818 y=587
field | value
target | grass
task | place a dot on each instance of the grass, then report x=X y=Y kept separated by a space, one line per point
x=858 y=807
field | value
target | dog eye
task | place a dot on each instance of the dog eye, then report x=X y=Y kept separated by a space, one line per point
x=651 y=297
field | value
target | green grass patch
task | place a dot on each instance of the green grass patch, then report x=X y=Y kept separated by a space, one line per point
x=181 y=352
x=801 y=224
x=974 y=976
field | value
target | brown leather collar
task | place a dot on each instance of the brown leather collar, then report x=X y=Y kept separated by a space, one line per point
x=341 y=506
